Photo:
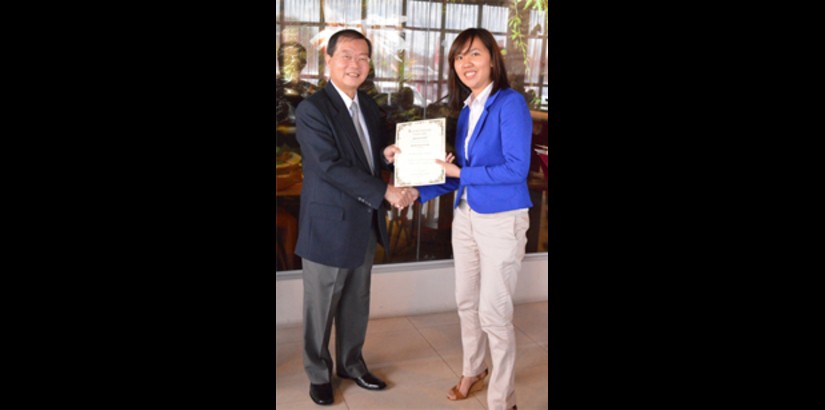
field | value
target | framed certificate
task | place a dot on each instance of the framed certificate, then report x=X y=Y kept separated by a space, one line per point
x=421 y=143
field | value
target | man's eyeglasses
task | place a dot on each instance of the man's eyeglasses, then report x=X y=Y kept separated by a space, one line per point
x=347 y=58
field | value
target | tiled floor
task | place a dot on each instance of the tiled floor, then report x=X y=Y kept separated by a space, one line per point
x=420 y=359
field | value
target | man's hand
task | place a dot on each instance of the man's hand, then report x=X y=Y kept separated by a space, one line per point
x=453 y=170
x=400 y=197
x=410 y=197
x=390 y=151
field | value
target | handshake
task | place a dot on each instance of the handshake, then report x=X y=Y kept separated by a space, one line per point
x=400 y=197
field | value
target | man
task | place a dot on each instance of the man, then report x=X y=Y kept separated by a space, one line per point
x=342 y=214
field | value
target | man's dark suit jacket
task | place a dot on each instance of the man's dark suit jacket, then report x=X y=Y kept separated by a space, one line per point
x=340 y=197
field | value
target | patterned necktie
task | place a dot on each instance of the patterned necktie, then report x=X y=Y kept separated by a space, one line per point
x=360 y=133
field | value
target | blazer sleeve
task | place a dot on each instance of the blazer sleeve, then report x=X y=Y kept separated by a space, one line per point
x=318 y=145
x=428 y=192
x=514 y=124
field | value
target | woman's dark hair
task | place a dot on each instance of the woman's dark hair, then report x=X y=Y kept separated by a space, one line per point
x=457 y=90
x=350 y=34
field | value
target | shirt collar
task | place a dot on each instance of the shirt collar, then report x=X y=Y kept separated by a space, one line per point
x=482 y=97
x=347 y=101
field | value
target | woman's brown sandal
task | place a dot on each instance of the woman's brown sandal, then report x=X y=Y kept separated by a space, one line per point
x=455 y=393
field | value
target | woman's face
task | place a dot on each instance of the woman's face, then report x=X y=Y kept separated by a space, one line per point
x=474 y=66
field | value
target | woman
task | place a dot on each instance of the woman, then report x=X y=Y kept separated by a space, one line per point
x=490 y=220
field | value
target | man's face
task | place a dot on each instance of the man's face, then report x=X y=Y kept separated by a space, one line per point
x=349 y=66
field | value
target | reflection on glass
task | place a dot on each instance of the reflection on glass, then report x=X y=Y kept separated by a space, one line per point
x=292 y=58
x=342 y=11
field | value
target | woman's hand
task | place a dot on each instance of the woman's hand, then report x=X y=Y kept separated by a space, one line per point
x=451 y=169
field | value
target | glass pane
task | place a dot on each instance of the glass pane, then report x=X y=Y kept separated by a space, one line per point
x=532 y=97
x=384 y=12
x=494 y=18
x=419 y=52
x=301 y=10
x=461 y=16
x=342 y=11
x=534 y=50
x=423 y=14
x=401 y=229
x=448 y=43
x=387 y=86
x=385 y=57
x=537 y=23
x=436 y=228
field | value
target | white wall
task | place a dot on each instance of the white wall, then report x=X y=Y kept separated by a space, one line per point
x=411 y=288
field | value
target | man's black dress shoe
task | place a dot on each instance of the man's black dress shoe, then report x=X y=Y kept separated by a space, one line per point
x=367 y=381
x=321 y=393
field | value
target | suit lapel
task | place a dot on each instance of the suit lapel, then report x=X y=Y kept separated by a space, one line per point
x=461 y=130
x=477 y=129
x=481 y=120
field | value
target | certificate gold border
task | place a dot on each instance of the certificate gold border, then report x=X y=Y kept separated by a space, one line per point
x=441 y=122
